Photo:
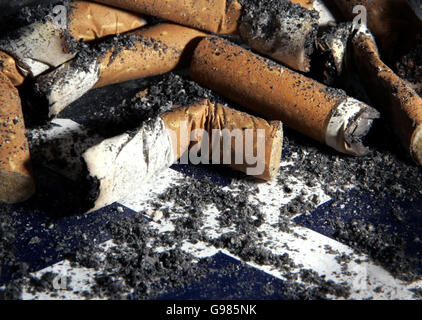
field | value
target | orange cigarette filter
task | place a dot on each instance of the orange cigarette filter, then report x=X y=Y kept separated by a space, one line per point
x=277 y=93
x=160 y=49
x=217 y=16
x=16 y=182
x=390 y=21
x=181 y=122
x=393 y=95
x=89 y=21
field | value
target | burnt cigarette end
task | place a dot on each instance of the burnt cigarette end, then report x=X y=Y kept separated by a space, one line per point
x=66 y=84
x=282 y=30
x=36 y=47
x=119 y=165
x=350 y=123
x=331 y=49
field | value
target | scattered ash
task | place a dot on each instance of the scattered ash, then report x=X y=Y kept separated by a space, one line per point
x=134 y=266
x=338 y=176
x=9 y=263
x=384 y=247
x=88 y=53
x=409 y=66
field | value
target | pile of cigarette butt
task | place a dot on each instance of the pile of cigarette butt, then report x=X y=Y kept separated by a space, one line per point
x=98 y=99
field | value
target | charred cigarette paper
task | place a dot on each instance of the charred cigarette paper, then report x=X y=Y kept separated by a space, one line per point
x=281 y=30
x=393 y=23
x=326 y=16
x=16 y=182
x=147 y=52
x=331 y=46
x=49 y=43
x=119 y=165
x=277 y=93
x=284 y=30
x=392 y=94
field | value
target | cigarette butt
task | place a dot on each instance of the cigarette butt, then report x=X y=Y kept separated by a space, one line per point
x=215 y=120
x=277 y=93
x=217 y=16
x=120 y=165
x=157 y=50
x=8 y=68
x=390 y=92
x=16 y=182
x=89 y=21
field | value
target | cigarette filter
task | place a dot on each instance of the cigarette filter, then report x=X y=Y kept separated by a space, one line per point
x=277 y=93
x=216 y=117
x=42 y=45
x=89 y=21
x=390 y=92
x=16 y=182
x=217 y=16
x=156 y=50
x=122 y=164
x=284 y=30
